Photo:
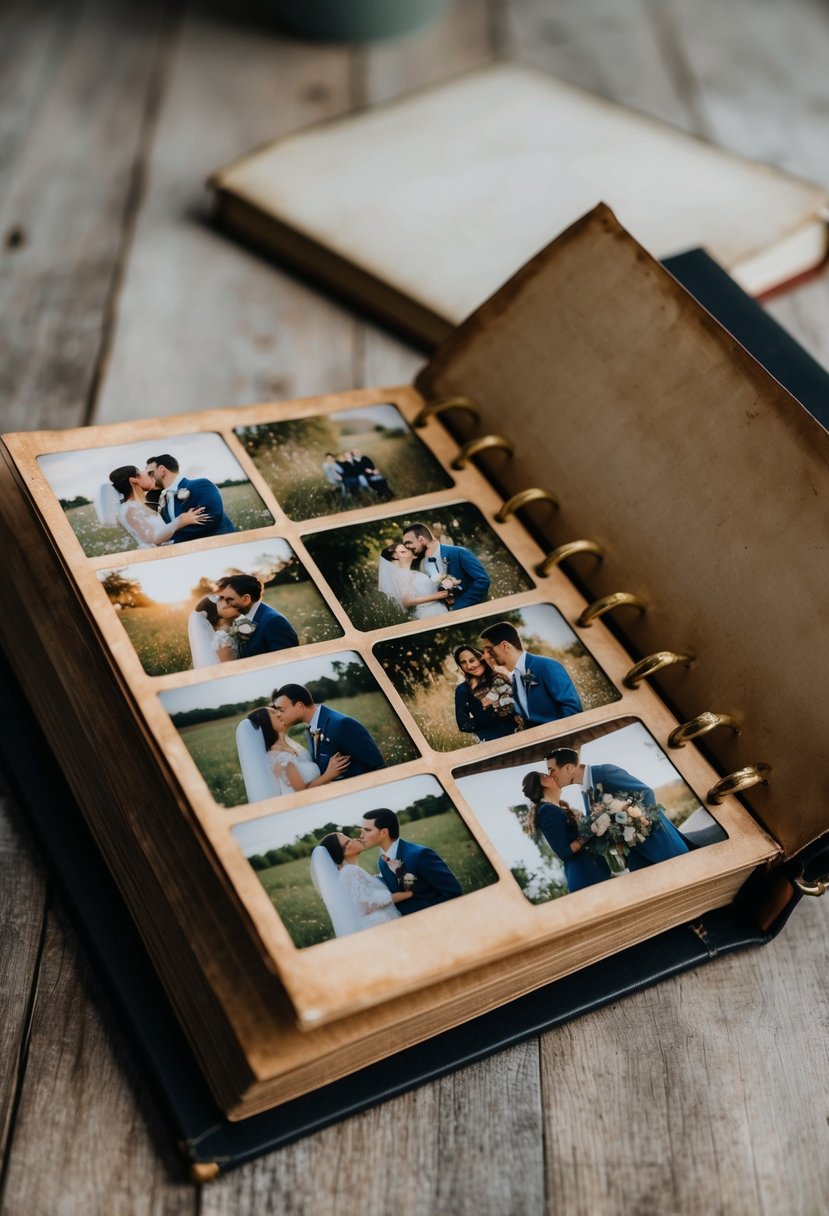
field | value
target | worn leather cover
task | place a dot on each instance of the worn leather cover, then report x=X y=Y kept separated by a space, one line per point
x=701 y=476
x=204 y=1135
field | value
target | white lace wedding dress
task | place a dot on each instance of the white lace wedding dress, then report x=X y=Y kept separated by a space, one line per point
x=400 y=585
x=279 y=761
x=145 y=526
x=263 y=772
x=369 y=894
x=205 y=642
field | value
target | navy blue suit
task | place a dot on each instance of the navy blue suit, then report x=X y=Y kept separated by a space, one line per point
x=273 y=632
x=343 y=734
x=203 y=493
x=473 y=718
x=435 y=881
x=580 y=869
x=664 y=841
x=551 y=695
x=463 y=565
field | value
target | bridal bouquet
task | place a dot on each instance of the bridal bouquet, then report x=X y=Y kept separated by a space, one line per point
x=615 y=825
x=241 y=630
x=405 y=878
x=447 y=582
x=498 y=696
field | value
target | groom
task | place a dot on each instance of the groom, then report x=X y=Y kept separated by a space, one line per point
x=271 y=630
x=436 y=559
x=542 y=688
x=329 y=731
x=664 y=840
x=431 y=882
x=178 y=494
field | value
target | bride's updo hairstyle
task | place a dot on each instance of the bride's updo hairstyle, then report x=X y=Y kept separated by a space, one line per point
x=390 y=551
x=208 y=607
x=120 y=478
x=532 y=788
x=260 y=719
x=334 y=847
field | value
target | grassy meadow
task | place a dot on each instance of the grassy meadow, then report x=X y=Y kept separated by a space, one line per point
x=289 y=456
x=213 y=744
x=159 y=631
x=242 y=504
x=302 y=911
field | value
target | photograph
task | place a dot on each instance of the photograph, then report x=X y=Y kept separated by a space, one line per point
x=423 y=564
x=342 y=461
x=160 y=492
x=579 y=809
x=345 y=865
x=278 y=730
x=194 y=610
x=493 y=676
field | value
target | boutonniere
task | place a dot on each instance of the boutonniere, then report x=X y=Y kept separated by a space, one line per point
x=406 y=880
x=529 y=680
x=183 y=495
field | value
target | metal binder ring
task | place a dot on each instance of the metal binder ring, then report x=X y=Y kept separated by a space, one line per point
x=653 y=663
x=701 y=725
x=805 y=887
x=441 y=404
x=735 y=783
x=607 y=603
x=519 y=500
x=556 y=556
x=481 y=444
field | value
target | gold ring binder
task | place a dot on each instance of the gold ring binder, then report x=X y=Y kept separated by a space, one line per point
x=701 y=725
x=519 y=500
x=811 y=888
x=481 y=444
x=556 y=556
x=653 y=663
x=607 y=603
x=735 y=783
x=440 y=406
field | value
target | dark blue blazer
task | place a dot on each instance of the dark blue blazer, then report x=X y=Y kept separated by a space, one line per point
x=273 y=632
x=664 y=841
x=435 y=881
x=554 y=695
x=580 y=869
x=343 y=734
x=473 y=718
x=463 y=565
x=203 y=493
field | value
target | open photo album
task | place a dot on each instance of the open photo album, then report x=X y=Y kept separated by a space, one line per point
x=363 y=758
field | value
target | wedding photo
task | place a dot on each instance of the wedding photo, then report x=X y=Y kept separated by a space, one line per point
x=342 y=461
x=151 y=494
x=584 y=808
x=345 y=865
x=424 y=564
x=494 y=676
x=273 y=732
x=195 y=610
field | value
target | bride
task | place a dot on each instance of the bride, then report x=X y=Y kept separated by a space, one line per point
x=121 y=501
x=272 y=764
x=409 y=588
x=353 y=899
x=207 y=633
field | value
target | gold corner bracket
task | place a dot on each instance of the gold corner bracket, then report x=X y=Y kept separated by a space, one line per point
x=736 y=782
x=653 y=663
x=521 y=499
x=609 y=603
x=701 y=725
x=441 y=405
x=483 y=443
x=561 y=554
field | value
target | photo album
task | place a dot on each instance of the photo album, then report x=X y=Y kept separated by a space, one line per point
x=382 y=706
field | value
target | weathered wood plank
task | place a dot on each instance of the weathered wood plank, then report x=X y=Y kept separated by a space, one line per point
x=65 y=212
x=84 y=1139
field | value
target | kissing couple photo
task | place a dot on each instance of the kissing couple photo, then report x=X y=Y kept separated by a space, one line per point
x=327 y=721
x=236 y=601
x=117 y=499
x=337 y=867
x=401 y=568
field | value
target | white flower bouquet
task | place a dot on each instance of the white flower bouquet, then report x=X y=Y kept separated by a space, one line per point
x=616 y=824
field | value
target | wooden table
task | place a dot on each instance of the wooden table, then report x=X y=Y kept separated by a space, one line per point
x=708 y=1094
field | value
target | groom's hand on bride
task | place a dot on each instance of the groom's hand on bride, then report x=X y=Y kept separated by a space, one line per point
x=336 y=766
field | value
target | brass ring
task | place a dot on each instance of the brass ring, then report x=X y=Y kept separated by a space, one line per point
x=481 y=444
x=811 y=888
x=735 y=783
x=701 y=725
x=559 y=555
x=519 y=500
x=653 y=663
x=618 y=599
x=441 y=404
